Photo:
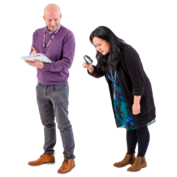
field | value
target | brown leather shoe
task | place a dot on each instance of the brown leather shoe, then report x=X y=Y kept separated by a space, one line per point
x=67 y=165
x=44 y=159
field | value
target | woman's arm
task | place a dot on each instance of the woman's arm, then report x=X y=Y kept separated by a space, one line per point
x=95 y=72
x=137 y=99
x=90 y=69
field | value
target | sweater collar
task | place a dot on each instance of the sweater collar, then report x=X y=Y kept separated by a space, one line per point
x=51 y=32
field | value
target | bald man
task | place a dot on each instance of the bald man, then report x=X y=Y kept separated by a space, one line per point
x=58 y=44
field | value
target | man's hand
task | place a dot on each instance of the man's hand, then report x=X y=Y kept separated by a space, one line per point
x=36 y=63
x=33 y=53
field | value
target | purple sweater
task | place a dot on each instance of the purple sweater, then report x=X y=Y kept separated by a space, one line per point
x=60 y=51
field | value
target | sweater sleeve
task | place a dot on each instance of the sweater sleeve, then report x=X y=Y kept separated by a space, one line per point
x=67 y=57
x=135 y=71
x=96 y=73
x=33 y=42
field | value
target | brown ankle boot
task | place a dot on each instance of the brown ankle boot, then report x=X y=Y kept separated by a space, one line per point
x=128 y=159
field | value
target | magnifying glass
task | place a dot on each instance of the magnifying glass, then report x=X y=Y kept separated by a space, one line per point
x=88 y=59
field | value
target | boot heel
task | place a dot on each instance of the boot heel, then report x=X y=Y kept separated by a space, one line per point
x=145 y=166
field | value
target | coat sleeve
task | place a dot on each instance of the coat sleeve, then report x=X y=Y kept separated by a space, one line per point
x=96 y=73
x=135 y=70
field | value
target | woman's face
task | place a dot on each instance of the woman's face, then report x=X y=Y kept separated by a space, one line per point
x=101 y=45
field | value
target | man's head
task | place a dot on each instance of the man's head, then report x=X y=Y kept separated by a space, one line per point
x=52 y=16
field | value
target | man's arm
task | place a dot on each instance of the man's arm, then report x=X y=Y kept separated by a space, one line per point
x=33 y=43
x=67 y=56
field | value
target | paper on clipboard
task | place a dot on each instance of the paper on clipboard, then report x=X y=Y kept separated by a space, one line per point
x=40 y=57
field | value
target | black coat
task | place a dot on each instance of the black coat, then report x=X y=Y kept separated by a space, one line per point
x=133 y=81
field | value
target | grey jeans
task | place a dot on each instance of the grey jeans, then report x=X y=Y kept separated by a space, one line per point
x=53 y=102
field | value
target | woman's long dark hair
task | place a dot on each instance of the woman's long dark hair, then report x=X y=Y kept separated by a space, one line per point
x=110 y=60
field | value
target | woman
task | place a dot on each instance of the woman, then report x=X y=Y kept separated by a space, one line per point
x=130 y=91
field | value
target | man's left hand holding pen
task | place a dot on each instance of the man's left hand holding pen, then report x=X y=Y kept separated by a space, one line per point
x=35 y=63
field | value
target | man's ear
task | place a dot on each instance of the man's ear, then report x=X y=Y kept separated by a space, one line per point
x=43 y=18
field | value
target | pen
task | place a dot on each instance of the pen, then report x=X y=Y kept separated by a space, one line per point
x=34 y=49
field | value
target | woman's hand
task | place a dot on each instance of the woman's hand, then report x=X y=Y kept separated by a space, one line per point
x=86 y=65
x=136 y=108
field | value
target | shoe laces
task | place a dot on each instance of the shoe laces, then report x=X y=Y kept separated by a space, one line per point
x=41 y=155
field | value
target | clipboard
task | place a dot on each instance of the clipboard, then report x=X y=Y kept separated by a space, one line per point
x=39 y=56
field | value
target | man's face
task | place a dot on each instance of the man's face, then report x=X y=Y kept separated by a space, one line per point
x=52 y=20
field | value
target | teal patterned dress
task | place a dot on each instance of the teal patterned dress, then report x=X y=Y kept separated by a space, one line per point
x=121 y=110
